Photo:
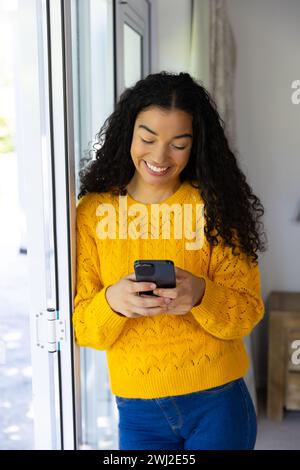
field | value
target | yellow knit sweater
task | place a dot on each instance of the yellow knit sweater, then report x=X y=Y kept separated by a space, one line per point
x=167 y=354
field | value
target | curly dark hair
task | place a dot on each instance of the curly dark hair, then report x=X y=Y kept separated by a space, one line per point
x=231 y=209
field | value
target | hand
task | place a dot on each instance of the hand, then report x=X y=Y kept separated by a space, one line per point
x=123 y=298
x=188 y=292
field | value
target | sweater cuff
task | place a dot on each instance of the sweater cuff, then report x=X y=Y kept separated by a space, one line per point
x=208 y=311
x=109 y=317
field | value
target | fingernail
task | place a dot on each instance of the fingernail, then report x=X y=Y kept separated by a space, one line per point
x=167 y=301
x=152 y=286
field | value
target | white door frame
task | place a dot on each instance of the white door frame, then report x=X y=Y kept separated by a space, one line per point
x=65 y=207
x=47 y=142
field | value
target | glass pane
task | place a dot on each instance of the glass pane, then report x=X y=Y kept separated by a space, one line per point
x=16 y=413
x=93 y=85
x=24 y=54
x=132 y=56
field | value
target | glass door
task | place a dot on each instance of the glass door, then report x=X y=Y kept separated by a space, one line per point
x=93 y=100
x=71 y=80
x=133 y=54
x=46 y=127
x=110 y=51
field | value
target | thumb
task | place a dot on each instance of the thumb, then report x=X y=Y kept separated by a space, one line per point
x=130 y=276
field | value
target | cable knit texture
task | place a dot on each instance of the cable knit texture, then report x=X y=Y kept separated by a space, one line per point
x=166 y=354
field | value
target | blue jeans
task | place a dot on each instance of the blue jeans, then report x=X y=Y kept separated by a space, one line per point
x=219 y=418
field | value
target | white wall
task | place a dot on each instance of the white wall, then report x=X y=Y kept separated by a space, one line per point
x=267 y=33
x=173 y=35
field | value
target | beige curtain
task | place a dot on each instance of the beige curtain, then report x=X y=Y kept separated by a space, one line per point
x=222 y=65
x=212 y=62
x=213 y=56
x=199 y=49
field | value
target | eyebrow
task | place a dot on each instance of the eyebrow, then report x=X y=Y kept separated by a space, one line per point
x=175 y=137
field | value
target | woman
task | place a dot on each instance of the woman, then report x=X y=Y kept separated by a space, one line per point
x=176 y=360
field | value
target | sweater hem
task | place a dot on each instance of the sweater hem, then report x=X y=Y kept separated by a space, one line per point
x=187 y=380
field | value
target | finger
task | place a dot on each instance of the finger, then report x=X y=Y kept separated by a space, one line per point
x=170 y=293
x=148 y=312
x=178 y=271
x=148 y=301
x=141 y=286
x=130 y=276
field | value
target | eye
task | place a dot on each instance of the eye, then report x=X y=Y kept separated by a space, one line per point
x=178 y=148
x=148 y=142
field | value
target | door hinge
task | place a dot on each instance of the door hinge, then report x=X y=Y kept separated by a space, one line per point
x=50 y=330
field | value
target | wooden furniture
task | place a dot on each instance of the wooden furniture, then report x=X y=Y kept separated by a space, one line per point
x=283 y=373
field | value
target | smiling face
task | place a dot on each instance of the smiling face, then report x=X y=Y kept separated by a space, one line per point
x=161 y=146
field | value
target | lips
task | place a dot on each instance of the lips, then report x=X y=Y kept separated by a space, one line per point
x=156 y=173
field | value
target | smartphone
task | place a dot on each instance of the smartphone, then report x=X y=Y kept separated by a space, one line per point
x=161 y=272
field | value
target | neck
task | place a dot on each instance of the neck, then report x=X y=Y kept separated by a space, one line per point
x=150 y=193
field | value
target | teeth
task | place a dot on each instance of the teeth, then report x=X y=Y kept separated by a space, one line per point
x=155 y=168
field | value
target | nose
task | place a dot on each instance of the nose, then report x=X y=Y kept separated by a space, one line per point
x=160 y=158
